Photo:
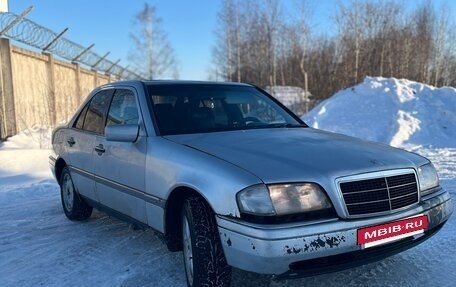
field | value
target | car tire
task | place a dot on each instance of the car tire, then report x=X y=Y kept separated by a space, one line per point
x=73 y=204
x=204 y=260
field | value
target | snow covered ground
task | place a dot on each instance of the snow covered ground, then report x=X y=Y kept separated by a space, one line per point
x=40 y=247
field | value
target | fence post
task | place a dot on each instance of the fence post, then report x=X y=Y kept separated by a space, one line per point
x=7 y=107
x=51 y=91
x=95 y=79
x=77 y=70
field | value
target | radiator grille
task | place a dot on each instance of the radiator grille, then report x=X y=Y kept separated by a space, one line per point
x=382 y=194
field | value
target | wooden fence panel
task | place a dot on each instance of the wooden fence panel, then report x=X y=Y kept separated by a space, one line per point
x=39 y=90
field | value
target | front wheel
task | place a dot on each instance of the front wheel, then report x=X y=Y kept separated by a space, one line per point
x=204 y=260
x=74 y=206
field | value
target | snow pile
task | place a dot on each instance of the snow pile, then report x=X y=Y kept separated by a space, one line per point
x=401 y=113
x=24 y=160
x=32 y=138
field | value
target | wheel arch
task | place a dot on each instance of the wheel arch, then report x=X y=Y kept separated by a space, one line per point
x=59 y=165
x=173 y=215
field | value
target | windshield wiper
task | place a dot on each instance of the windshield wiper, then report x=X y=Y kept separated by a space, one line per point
x=286 y=125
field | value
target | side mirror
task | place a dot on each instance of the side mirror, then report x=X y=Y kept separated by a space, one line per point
x=122 y=133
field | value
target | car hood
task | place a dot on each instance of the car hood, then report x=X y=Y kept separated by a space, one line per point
x=299 y=154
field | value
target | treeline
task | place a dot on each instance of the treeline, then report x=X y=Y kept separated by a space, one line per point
x=267 y=43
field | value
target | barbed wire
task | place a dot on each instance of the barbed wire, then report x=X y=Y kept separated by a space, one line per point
x=46 y=40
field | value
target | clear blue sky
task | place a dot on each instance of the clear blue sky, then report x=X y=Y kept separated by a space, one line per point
x=190 y=25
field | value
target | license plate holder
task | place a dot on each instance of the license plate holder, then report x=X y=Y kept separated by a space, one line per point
x=391 y=231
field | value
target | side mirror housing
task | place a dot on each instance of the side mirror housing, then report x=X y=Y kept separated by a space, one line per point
x=122 y=133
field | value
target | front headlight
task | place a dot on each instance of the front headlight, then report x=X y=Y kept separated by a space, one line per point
x=282 y=199
x=255 y=200
x=428 y=178
x=294 y=198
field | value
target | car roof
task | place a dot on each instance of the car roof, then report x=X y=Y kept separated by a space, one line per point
x=176 y=82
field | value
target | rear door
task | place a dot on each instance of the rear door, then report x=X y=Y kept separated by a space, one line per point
x=80 y=141
x=120 y=166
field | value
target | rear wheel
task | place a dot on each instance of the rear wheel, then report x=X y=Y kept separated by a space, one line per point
x=74 y=206
x=204 y=260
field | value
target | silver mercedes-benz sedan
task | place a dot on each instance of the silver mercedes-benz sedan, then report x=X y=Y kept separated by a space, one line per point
x=234 y=179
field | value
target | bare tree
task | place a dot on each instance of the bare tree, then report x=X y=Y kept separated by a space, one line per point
x=302 y=40
x=271 y=22
x=227 y=53
x=448 y=62
x=442 y=41
x=151 y=52
x=348 y=19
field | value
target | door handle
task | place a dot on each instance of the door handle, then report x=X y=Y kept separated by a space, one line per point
x=71 y=141
x=100 y=149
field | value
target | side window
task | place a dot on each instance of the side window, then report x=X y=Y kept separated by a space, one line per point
x=94 y=119
x=79 y=123
x=123 y=110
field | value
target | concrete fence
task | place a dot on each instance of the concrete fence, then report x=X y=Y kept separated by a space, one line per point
x=37 y=89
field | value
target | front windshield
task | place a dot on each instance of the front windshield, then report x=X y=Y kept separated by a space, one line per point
x=199 y=108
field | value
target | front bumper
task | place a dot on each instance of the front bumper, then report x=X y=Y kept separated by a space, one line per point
x=285 y=250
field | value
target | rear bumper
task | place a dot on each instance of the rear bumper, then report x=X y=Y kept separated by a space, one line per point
x=297 y=250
